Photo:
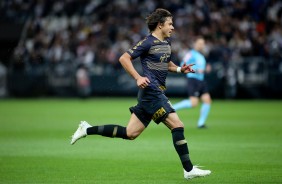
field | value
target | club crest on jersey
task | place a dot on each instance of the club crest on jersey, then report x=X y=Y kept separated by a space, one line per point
x=164 y=57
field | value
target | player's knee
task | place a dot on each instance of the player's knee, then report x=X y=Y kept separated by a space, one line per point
x=132 y=135
x=194 y=103
x=209 y=101
x=206 y=99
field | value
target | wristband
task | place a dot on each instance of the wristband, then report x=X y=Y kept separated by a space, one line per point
x=178 y=70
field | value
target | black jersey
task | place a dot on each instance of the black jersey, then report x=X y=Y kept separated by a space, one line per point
x=155 y=56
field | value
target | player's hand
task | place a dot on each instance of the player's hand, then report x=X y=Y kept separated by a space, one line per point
x=187 y=68
x=142 y=82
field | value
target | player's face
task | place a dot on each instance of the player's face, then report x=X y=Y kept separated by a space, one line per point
x=167 y=27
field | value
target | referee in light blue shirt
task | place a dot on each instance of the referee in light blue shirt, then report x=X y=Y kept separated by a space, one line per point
x=197 y=87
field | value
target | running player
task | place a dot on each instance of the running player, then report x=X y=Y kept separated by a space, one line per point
x=154 y=52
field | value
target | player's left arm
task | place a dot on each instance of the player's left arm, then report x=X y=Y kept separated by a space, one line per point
x=183 y=69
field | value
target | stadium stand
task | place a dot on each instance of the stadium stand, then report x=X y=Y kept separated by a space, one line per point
x=59 y=37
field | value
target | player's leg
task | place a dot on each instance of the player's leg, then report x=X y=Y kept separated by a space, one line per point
x=184 y=104
x=134 y=128
x=180 y=144
x=177 y=129
x=193 y=101
x=205 y=109
x=193 y=93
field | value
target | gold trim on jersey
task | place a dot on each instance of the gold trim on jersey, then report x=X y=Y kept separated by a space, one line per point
x=160 y=49
x=157 y=66
x=162 y=88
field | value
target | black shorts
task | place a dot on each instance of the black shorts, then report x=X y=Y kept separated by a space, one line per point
x=196 y=87
x=152 y=106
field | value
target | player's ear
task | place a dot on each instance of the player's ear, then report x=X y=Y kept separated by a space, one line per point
x=160 y=25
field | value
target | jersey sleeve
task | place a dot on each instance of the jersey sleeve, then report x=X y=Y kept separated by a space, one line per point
x=140 y=48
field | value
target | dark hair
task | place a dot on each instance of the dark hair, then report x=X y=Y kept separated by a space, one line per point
x=158 y=16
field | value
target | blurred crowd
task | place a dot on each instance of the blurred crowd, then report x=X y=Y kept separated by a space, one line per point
x=94 y=33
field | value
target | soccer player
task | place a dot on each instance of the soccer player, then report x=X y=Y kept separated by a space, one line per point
x=197 y=87
x=154 y=52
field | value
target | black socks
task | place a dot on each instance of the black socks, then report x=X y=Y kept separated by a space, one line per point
x=108 y=131
x=179 y=141
x=181 y=148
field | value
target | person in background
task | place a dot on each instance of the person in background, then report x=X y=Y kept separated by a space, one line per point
x=196 y=86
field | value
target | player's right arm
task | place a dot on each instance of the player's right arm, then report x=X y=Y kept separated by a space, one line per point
x=126 y=62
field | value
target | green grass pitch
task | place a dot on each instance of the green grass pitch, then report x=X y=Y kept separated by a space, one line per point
x=243 y=143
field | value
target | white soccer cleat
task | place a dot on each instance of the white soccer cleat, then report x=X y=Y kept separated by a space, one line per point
x=80 y=132
x=196 y=172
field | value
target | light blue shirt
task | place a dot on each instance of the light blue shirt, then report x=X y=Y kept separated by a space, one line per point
x=195 y=57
